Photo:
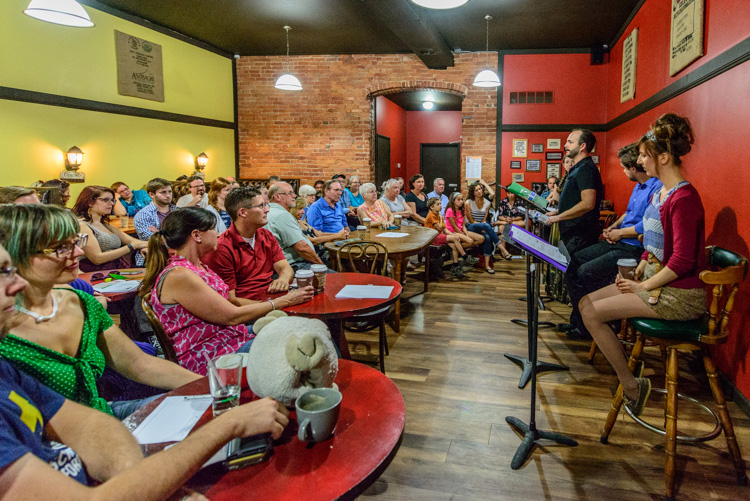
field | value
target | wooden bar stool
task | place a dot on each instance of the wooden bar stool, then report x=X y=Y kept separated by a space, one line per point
x=694 y=336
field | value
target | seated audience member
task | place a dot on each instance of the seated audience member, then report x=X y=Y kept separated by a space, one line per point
x=220 y=188
x=131 y=201
x=149 y=219
x=326 y=214
x=376 y=210
x=63 y=337
x=416 y=198
x=298 y=250
x=674 y=239
x=264 y=193
x=247 y=256
x=435 y=221
x=18 y=195
x=477 y=217
x=197 y=196
x=66 y=441
x=107 y=247
x=190 y=300
x=355 y=197
x=438 y=190
x=64 y=188
x=317 y=237
x=598 y=262
x=507 y=213
x=272 y=180
x=401 y=183
x=307 y=193
x=233 y=181
x=551 y=184
x=396 y=203
x=318 y=185
x=344 y=200
x=454 y=216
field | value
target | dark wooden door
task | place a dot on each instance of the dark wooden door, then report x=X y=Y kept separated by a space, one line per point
x=382 y=160
x=441 y=160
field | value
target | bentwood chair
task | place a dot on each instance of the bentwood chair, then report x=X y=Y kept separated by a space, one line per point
x=161 y=335
x=367 y=257
x=729 y=270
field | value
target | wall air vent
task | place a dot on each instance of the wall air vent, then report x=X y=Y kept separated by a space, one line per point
x=531 y=97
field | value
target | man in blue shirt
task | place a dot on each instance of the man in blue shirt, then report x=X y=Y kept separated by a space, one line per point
x=131 y=201
x=438 y=190
x=326 y=214
x=598 y=262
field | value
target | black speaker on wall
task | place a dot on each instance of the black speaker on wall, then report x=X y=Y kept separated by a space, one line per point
x=598 y=53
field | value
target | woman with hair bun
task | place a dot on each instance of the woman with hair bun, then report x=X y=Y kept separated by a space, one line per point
x=674 y=241
x=190 y=300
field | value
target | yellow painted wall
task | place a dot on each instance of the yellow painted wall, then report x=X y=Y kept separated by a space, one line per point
x=80 y=63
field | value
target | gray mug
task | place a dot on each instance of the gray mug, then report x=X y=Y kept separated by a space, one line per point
x=317 y=414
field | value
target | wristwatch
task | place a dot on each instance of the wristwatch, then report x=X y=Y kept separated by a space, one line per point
x=130 y=246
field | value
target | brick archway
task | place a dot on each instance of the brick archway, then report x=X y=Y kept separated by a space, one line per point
x=397 y=87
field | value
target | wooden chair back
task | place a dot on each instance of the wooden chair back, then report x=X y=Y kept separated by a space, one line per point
x=731 y=270
x=363 y=257
x=166 y=343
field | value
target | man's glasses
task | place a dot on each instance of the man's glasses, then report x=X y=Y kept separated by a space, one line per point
x=66 y=250
x=9 y=273
x=290 y=193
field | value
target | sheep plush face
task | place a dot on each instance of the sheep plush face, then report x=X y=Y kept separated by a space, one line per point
x=290 y=355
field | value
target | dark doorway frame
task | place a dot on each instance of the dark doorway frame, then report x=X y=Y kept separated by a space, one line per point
x=457 y=146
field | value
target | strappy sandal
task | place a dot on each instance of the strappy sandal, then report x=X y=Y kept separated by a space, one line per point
x=490 y=271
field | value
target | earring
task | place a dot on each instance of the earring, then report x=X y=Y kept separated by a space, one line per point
x=198 y=240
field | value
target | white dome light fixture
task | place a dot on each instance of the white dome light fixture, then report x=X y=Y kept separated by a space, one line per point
x=64 y=12
x=440 y=4
x=428 y=105
x=487 y=77
x=287 y=81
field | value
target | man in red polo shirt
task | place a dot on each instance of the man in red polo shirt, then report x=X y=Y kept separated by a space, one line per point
x=247 y=255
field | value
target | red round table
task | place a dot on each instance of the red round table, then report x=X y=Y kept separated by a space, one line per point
x=334 y=310
x=367 y=436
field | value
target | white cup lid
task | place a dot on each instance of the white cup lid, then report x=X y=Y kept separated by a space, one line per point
x=361 y=227
x=627 y=262
x=398 y=216
x=318 y=268
x=304 y=273
x=366 y=219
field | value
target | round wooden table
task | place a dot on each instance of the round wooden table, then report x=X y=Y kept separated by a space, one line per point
x=399 y=249
x=115 y=296
x=367 y=436
x=334 y=310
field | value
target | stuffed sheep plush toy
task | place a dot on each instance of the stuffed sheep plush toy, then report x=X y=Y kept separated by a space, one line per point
x=290 y=355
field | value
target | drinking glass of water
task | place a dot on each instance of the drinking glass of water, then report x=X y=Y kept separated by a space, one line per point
x=224 y=382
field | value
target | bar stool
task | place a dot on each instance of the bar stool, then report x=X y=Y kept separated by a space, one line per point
x=693 y=335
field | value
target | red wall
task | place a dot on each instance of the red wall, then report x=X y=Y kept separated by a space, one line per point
x=428 y=127
x=391 y=122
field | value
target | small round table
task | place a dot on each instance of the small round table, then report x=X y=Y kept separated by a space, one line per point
x=334 y=310
x=367 y=436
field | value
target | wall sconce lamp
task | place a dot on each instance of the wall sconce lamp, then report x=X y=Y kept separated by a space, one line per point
x=201 y=161
x=73 y=160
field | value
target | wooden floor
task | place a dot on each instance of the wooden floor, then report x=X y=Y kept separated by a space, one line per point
x=458 y=388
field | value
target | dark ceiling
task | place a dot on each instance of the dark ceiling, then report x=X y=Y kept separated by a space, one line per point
x=412 y=100
x=255 y=27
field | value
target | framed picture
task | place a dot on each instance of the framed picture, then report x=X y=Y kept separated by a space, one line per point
x=515 y=164
x=554 y=155
x=553 y=169
x=553 y=144
x=595 y=158
x=520 y=148
x=518 y=178
x=533 y=165
x=537 y=148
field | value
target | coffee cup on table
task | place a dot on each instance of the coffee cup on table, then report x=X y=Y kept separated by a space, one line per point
x=366 y=221
x=397 y=220
x=319 y=277
x=362 y=231
x=304 y=278
x=626 y=268
x=317 y=414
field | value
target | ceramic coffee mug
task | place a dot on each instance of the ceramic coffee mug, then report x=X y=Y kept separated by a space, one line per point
x=317 y=414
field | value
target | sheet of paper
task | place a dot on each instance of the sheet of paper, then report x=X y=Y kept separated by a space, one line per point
x=392 y=234
x=473 y=167
x=172 y=420
x=365 y=292
x=539 y=245
x=117 y=286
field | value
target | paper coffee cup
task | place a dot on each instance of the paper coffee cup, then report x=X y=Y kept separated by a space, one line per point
x=304 y=278
x=626 y=268
x=397 y=220
x=319 y=277
x=362 y=231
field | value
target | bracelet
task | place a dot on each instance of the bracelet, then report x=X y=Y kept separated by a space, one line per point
x=130 y=246
x=273 y=306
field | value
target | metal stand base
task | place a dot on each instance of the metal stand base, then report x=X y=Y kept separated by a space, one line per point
x=521 y=321
x=530 y=438
x=525 y=365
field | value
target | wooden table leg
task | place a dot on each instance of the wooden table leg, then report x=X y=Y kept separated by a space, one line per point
x=427 y=267
x=397 y=278
x=336 y=326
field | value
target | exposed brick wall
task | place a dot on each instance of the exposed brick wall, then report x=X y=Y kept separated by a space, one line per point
x=326 y=128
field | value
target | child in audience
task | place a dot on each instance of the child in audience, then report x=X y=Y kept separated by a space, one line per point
x=454 y=216
x=435 y=221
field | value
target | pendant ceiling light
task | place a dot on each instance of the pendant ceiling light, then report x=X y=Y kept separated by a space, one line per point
x=65 y=12
x=287 y=81
x=487 y=77
x=440 y=4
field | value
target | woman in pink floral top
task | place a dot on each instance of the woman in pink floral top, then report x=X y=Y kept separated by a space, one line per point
x=191 y=301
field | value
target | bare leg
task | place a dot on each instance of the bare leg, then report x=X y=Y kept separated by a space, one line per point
x=456 y=244
x=604 y=305
x=476 y=238
x=454 y=251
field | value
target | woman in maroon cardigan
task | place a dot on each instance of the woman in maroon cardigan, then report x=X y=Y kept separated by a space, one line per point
x=674 y=239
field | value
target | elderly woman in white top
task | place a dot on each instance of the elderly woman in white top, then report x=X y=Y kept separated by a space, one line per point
x=307 y=193
x=395 y=202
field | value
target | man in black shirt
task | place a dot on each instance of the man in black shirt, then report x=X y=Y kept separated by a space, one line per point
x=578 y=213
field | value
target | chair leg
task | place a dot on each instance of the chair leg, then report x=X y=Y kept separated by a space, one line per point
x=592 y=352
x=726 y=420
x=382 y=342
x=635 y=357
x=671 y=437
